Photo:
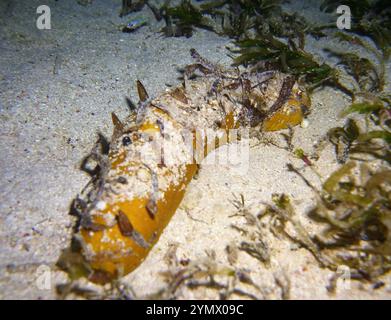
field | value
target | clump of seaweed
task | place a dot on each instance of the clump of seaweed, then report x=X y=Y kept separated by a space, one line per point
x=182 y=19
x=349 y=139
x=376 y=138
x=204 y=273
x=283 y=214
x=257 y=31
x=368 y=98
x=239 y=16
x=371 y=19
x=257 y=26
x=129 y=6
x=357 y=211
x=355 y=207
x=257 y=247
x=268 y=52
x=367 y=76
x=229 y=282
x=355 y=203
x=237 y=19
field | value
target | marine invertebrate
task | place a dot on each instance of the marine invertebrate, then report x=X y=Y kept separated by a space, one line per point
x=140 y=178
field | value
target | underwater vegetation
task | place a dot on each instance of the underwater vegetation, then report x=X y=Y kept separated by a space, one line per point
x=257 y=28
x=129 y=6
x=203 y=273
x=270 y=53
x=368 y=200
x=373 y=20
x=355 y=210
x=267 y=37
x=182 y=19
x=370 y=18
x=290 y=54
x=234 y=18
x=353 y=205
x=369 y=99
x=367 y=76
x=349 y=139
x=226 y=280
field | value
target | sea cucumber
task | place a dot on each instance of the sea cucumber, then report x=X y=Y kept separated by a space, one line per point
x=142 y=172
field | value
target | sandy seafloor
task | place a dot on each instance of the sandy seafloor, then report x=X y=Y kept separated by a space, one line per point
x=49 y=121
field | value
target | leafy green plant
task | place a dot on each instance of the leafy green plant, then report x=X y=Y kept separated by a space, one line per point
x=357 y=212
x=182 y=19
x=269 y=52
x=369 y=78
x=349 y=139
x=129 y=6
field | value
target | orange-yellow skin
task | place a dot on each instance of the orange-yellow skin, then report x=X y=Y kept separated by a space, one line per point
x=136 y=211
x=108 y=258
x=288 y=116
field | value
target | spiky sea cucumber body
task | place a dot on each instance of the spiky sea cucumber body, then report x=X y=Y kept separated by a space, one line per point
x=155 y=153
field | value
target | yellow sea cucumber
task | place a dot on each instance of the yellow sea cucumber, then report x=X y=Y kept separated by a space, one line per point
x=140 y=179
